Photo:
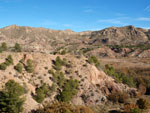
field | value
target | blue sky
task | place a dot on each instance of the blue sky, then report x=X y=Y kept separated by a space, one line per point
x=78 y=15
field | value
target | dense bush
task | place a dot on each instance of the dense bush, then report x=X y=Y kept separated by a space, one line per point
x=3 y=66
x=118 y=97
x=17 y=48
x=69 y=90
x=57 y=63
x=41 y=93
x=8 y=61
x=19 y=67
x=10 y=101
x=4 y=46
x=30 y=66
x=143 y=103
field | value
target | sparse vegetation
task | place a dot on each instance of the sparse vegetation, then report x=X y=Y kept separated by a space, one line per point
x=119 y=77
x=10 y=100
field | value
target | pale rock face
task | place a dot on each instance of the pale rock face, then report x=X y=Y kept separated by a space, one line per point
x=98 y=77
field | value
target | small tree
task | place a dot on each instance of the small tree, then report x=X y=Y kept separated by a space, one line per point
x=9 y=60
x=19 y=67
x=70 y=89
x=30 y=66
x=10 y=101
x=3 y=66
x=41 y=93
x=17 y=48
x=4 y=46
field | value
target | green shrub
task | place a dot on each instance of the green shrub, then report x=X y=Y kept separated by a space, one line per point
x=57 y=63
x=30 y=66
x=143 y=103
x=10 y=101
x=17 y=48
x=41 y=93
x=19 y=67
x=51 y=71
x=58 y=77
x=3 y=66
x=9 y=60
x=93 y=60
x=70 y=89
x=4 y=46
x=53 y=87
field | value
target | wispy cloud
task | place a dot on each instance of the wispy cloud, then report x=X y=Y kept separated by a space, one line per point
x=143 y=19
x=147 y=8
x=118 y=21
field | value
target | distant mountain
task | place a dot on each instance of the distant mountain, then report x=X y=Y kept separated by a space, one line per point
x=47 y=40
x=128 y=35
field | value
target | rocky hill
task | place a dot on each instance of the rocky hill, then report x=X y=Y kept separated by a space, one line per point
x=128 y=35
x=47 y=40
x=93 y=81
x=92 y=68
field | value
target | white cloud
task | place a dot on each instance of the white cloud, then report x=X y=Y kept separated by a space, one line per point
x=143 y=19
x=118 y=21
x=147 y=8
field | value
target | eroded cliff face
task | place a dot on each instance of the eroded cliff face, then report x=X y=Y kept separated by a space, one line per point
x=95 y=84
